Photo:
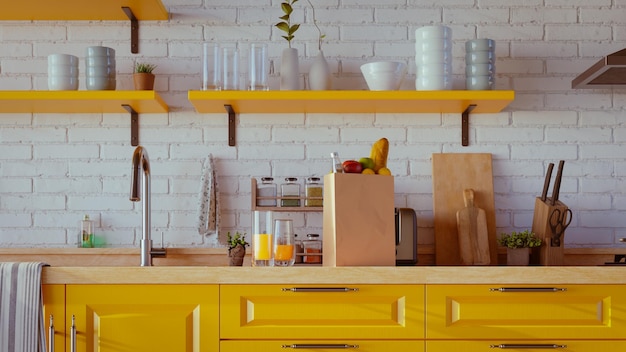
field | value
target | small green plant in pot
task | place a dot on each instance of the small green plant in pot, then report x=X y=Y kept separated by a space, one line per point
x=143 y=78
x=518 y=246
x=236 y=248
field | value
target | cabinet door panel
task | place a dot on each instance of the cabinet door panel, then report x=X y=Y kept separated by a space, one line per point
x=54 y=305
x=322 y=346
x=550 y=345
x=475 y=311
x=144 y=317
x=373 y=311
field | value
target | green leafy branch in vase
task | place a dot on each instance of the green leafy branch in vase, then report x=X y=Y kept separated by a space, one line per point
x=285 y=25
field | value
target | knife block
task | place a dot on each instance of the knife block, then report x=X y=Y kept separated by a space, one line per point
x=546 y=254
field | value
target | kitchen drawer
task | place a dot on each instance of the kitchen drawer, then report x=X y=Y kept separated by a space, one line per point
x=327 y=311
x=526 y=312
x=322 y=346
x=493 y=345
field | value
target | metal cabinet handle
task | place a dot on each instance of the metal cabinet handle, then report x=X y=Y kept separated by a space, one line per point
x=320 y=346
x=73 y=335
x=528 y=289
x=51 y=334
x=320 y=289
x=528 y=346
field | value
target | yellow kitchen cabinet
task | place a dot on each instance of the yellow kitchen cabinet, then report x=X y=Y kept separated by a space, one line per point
x=525 y=312
x=54 y=305
x=322 y=346
x=143 y=317
x=492 y=345
x=384 y=312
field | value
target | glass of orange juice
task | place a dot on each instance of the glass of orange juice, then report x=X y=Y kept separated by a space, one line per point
x=284 y=243
x=262 y=239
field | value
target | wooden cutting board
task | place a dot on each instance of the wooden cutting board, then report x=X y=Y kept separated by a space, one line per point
x=452 y=174
x=471 y=223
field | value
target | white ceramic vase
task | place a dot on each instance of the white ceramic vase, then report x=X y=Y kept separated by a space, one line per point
x=289 y=70
x=319 y=73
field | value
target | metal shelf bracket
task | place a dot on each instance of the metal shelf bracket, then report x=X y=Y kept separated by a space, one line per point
x=134 y=125
x=231 y=124
x=465 y=125
x=134 y=30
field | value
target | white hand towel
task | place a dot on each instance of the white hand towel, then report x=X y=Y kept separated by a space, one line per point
x=208 y=207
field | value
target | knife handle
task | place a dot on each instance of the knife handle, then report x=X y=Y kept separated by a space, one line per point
x=557 y=183
x=546 y=183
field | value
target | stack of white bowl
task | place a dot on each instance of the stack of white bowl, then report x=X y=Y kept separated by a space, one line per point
x=433 y=58
x=480 y=64
x=62 y=72
x=100 y=68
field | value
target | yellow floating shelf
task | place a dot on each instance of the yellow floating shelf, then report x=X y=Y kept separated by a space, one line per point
x=73 y=10
x=351 y=101
x=95 y=101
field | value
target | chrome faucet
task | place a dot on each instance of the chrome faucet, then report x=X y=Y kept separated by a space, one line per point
x=141 y=162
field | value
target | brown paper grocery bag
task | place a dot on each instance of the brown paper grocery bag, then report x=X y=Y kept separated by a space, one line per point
x=359 y=220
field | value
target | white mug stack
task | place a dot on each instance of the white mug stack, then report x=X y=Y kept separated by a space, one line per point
x=62 y=72
x=433 y=58
x=100 y=68
x=480 y=64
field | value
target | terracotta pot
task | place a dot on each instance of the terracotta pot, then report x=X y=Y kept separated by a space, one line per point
x=143 y=81
x=517 y=256
x=236 y=255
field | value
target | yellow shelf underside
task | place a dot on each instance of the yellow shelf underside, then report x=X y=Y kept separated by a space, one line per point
x=350 y=101
x=73 y=10
x=104 y=101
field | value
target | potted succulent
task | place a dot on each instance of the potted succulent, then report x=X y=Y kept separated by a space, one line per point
x=236 y=248
x=319 y=73
x=518 y=245
x=289 y=67
x=143 y=77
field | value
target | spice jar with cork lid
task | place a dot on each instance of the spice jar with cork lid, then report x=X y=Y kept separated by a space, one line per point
x=314 y=192
x=312 y=249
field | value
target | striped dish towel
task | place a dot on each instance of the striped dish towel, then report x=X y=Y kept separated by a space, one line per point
x=21 y=308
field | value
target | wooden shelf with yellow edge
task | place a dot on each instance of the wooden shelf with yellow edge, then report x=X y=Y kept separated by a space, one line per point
x=448 y=101
x=77 y=10
x=77 y=101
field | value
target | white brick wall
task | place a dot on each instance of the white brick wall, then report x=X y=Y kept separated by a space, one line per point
x=55 y=168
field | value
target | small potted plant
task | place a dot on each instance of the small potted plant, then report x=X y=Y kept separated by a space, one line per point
x=143 y=76
x=518 y=245
x=236 y=248
x=289 y=66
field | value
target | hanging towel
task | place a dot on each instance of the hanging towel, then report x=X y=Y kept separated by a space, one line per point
x=21 y=308
x=208 y=207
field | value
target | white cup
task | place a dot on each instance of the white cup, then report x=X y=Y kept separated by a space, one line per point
x=100 y=71
x=479 y=82
x=62 y=59
x=430 y=32
x=480 y=69
x=428 y=45
x=433 y=57
x=100 y=61
x=433 y=83
x=93 y=51
x=434 y=69
x=480 y=57
x=480 y=45
x=100 y=83
x=62 y=82
x=62 y=70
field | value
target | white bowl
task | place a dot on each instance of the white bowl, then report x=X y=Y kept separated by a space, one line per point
x=433 y=83
x=100 y=61
x=62 y=70
x=93 y=51
x=62 y=59
x=100 y=83
x=100 y=71
x=434 y=70
x=480 y=69
x=384 y=75
x=479 y=82
x=62 y=82
x=429 y=32
x=480 y=45
x=433 y=57
x=480 y=57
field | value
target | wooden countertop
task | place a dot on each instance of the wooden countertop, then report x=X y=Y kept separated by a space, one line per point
x=500 y=275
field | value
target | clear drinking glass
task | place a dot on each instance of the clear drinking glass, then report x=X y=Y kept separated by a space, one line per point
x=284 y=243
x=257 y=67
x=211 y=67
x=230 y=68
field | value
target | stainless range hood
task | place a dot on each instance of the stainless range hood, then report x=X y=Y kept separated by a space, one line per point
x=606 y=73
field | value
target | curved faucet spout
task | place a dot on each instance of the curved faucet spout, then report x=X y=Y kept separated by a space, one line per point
x=141 y=162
